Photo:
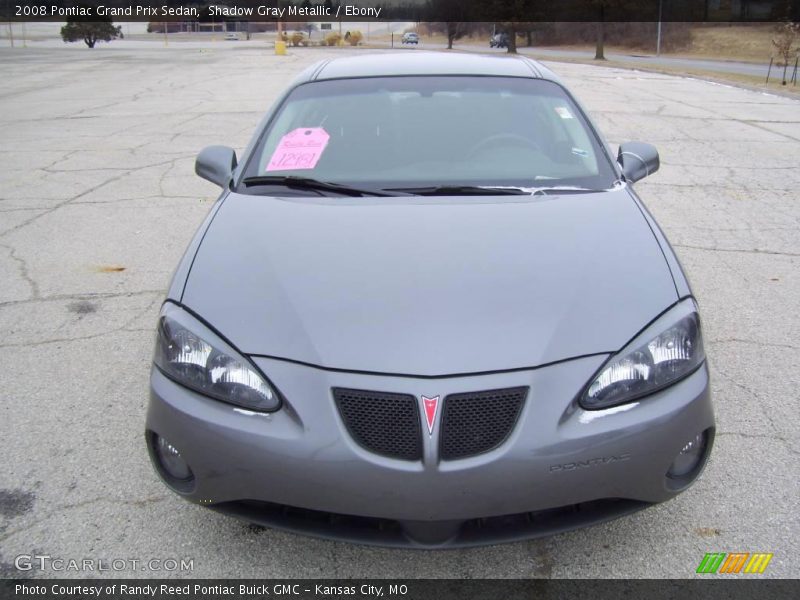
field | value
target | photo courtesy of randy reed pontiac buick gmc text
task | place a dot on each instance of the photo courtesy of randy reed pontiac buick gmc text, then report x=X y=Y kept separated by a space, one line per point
x=197 y=589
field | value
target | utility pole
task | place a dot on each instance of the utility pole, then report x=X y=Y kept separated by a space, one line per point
x=278 y=28
x=658 y=35
x=10 y=28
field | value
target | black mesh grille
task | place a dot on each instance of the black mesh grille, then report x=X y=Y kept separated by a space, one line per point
x=477 y=422
x=381 y=422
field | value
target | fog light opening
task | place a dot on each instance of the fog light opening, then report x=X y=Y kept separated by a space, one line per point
x=170 y=464
x=690 y=457
x=171 y=460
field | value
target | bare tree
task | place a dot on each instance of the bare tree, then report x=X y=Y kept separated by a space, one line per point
x=455 y=31
x=442 y=11
x=600 y=24
x=787 y=44
x=511 y=16
x=603 y=6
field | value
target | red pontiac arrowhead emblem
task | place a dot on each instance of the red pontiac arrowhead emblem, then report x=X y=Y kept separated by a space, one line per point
x=431 y=405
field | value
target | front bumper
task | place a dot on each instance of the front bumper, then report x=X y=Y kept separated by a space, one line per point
x=561 y=467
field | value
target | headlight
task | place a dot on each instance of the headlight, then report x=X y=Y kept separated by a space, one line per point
x=668 y=350
x=191 y=354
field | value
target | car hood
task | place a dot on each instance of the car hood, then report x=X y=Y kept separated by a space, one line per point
x=429 y=286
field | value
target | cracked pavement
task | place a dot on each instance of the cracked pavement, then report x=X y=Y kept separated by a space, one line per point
x=98 y=200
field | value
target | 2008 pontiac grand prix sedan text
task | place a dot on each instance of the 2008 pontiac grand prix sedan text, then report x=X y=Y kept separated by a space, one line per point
x=481 y=336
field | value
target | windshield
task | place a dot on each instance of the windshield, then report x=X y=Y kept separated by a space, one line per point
x=391 y=133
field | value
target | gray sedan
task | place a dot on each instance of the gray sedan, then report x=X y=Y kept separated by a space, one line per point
x=482 y=338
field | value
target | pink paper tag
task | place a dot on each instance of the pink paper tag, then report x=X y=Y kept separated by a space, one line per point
x=299 y=149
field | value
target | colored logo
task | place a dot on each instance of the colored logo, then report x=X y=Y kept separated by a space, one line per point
x=734 y=562
x=430 y=405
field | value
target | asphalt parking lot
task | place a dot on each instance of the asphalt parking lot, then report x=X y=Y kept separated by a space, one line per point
x=98 y=199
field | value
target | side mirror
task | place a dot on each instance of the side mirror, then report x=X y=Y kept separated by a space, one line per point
x=216 y=164
x=638 y=160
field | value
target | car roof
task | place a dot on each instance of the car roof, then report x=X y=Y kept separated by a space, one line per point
x=415 y=62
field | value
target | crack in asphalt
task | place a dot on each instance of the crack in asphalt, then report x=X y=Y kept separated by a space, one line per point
x=82 y=296
x=125 y=327
x=777 y=435
x=80 y=338
x=23 y=270
x=737 y=250
x=58 y=511
x=763 y=436
x=65 y=203
x=759 y=344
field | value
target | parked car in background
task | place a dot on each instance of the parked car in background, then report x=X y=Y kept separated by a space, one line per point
x=410 y=37
x=232 y=36
x=499 y=40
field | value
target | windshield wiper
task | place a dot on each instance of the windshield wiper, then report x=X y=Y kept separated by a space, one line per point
x=480 y=190
x=307 y=183
x=460 y=190
x=564 y=189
